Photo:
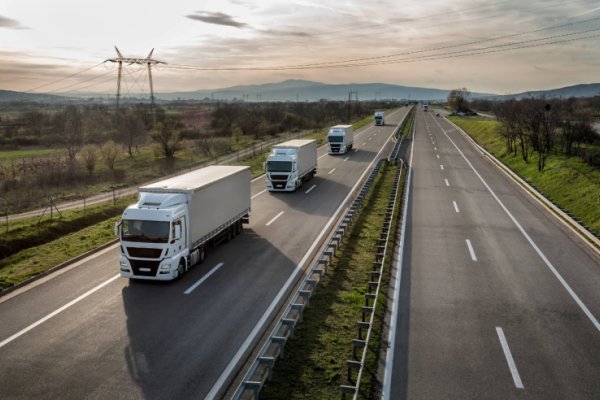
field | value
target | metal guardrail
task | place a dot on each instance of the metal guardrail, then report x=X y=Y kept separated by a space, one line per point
x=261 y=369
x=396 y=149
x=372 y=295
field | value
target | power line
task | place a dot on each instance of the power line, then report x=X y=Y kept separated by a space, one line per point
x=377 y=60
x=66 y=77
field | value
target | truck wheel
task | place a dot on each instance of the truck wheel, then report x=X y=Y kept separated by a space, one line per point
x=180 y=269
x=202 y=255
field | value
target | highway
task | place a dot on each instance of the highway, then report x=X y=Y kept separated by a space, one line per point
x=497 y=299
x=84 y=332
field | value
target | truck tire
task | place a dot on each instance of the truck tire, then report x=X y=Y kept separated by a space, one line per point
x=180 y=269
x=202 y=255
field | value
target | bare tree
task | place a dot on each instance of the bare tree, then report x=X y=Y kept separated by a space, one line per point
x=110 y=153
x=458 y=99
x=69 y=127
x=89 y=154
x=167 y=135
x=131 y=129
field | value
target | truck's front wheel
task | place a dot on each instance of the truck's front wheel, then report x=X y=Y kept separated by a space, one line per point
x=180 y=269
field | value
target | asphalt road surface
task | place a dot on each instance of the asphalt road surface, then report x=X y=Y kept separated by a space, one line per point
x=84 y=332
x=497 y=299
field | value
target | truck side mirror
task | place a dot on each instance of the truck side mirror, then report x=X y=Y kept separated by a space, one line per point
x=177 y=232
x=117 y=226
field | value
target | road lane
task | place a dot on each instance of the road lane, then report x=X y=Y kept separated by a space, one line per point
x=449 y=307
x=149 y=339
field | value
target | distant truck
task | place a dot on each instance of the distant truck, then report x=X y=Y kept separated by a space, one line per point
x=379 y=119
x=167 y=231
x=425 y=107
x=340 y=139
x=290 y=164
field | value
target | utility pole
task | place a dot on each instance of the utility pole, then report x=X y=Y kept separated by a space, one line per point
x=148 y=61
x=350 y=102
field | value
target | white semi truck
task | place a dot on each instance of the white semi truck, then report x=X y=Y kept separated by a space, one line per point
x=290 y=164
x=340 y=139
x=379 y=119
x=167 y=231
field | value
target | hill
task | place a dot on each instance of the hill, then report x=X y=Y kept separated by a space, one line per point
x=581 y=90
x=292 y=90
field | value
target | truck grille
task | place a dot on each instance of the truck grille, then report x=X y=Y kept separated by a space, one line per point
x=144 y=268
x=140 y=252
x=335 y=148
x=279 y=177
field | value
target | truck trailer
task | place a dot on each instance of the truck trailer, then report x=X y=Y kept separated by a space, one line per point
x=290 y=164
x=167 y=231
x=340 y=139
x=379 y=119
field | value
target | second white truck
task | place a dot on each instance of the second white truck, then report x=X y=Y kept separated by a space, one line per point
x=290 y=164
x=340 y=139
x=168 y=229
x=379 y=118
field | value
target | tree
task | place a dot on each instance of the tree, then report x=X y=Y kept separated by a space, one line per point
x=110 y=152
x=167 y=135
x=69 y=130
x=457 y=99
x=89 y=153
x=131 y=129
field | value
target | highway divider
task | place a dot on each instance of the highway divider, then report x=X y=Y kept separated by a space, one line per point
x=274 y=348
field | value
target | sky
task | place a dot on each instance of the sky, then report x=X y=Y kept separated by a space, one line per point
x=501 y=47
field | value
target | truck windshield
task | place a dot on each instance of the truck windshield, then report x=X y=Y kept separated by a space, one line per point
x=145 y=231
x=335 y=139
x=279 y=166
x=379 y=118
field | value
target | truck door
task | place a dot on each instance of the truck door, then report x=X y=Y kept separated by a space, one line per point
x=178 y=234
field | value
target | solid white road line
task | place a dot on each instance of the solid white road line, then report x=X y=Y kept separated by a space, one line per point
x=205 y=277
x=310 y=189
x=331 y=172
x=258 y=194
x=274 y=218
x=58 y=311
x=284 y=289
x=389 y=357
x=455 y=207
x=509 y=359
x=551 y=267
x=447 y=183
x=471 y=251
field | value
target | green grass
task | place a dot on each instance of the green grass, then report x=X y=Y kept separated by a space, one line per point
x=33 y=261
x=315 y=358
x=8 y=155
x=567 y=181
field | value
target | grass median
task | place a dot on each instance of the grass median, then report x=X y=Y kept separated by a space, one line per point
x=567 y=181
x=315 y=358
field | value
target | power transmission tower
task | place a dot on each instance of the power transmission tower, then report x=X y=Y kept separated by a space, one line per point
x=148 y=61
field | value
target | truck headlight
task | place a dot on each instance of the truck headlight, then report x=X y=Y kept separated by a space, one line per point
x=166 y=267
x=123 y=263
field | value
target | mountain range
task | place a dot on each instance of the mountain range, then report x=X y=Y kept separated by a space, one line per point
x=301 y=90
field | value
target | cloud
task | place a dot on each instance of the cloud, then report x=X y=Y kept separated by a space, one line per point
x=6 y=22
x=217 y=18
